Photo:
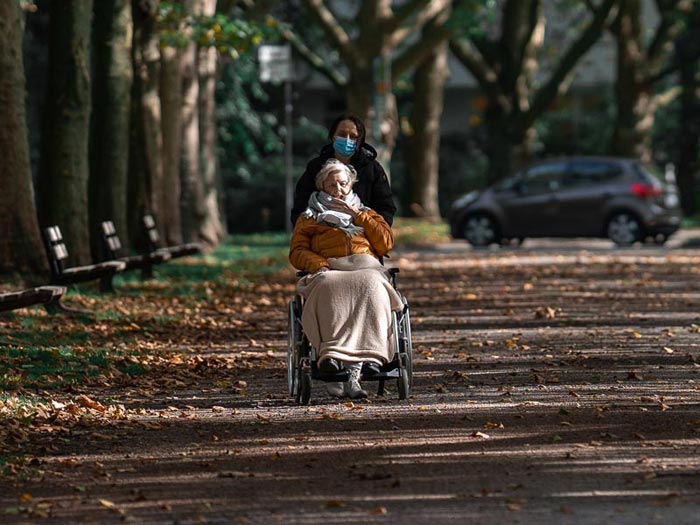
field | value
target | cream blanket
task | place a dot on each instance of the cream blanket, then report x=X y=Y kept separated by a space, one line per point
x=347 y=313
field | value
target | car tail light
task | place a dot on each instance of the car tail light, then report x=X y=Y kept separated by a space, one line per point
x=645 y=190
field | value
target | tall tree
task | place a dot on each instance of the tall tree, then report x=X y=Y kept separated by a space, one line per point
x=167 y=197
x=379 y=42
x=424 y=143
x=146 y=142
x=63 y=177
x=688 y=56
x=193 y=206
x=504 y=66
x=109 y=145
x=639 y=64
x=20 y=242
x=211 y=229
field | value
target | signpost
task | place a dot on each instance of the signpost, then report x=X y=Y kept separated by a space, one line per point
x=276 y=66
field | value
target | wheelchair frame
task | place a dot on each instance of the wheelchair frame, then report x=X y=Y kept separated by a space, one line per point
x=301 y=356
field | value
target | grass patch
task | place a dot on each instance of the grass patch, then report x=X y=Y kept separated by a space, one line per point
x=239 y=256
x=414 y=232
x=691 y=222
x=58 y=366
x=47 y=337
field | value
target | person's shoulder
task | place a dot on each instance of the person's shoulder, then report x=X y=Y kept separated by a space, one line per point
x=367 y=154
x=367 y=163
x=314 y=165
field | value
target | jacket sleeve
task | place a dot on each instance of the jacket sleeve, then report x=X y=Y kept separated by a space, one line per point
x=377 y=231
x=306 y=185
x=382 y=199
x=300 y=254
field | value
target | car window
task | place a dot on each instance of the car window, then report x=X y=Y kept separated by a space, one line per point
x=588 y=173
x=647 y=173
x=543 y=178
x=507 y=184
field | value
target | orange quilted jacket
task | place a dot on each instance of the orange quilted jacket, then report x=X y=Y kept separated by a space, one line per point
x=312 y=244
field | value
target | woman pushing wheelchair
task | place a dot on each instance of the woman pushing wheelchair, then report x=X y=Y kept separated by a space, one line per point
x=347 y=315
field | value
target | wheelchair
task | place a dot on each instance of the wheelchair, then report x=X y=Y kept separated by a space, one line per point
x=302 y=358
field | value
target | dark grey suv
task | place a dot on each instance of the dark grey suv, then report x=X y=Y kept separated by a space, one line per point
x=621 y=199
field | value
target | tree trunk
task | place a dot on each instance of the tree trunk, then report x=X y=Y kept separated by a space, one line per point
x=688 y=172
x=63 y=177
x=192 y=201
x=109 y=147
x=424 y=144
x=500 y=146
x=212 y=229
x=145 y=157
x=167 y=196
x=635 y=101
x=21 y=248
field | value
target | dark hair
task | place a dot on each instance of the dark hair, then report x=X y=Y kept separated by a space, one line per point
x=356 y=120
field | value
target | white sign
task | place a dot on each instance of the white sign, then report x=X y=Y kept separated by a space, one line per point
x=275 y=63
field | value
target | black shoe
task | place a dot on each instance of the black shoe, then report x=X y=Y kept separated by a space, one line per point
x=370 y=369
x=329 y=366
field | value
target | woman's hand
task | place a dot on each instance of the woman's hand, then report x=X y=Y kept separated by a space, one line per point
x=342 y=206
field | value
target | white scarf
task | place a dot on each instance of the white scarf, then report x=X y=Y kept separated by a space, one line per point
x=319 y=210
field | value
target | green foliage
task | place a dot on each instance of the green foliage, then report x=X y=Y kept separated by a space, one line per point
x=232 y=34
x=251 y=148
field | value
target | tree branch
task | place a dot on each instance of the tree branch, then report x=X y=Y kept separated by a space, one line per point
x=404 y=12
x=423 y=17
x=668 y=29
x=314 y=60
x=419 y=50
x=558 y=80
x=479 y=68
x=337 y=36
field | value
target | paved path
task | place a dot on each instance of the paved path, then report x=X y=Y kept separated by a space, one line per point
x=555 y=383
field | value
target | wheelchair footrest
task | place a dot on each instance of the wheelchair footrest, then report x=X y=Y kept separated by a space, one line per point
x=390 y=374
x=338 y=377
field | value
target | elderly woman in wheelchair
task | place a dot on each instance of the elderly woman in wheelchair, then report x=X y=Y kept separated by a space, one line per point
x=348 y=322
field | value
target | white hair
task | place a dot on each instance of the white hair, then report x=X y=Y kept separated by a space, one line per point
x=333 y=166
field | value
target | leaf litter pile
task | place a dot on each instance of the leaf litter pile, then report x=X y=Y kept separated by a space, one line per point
x=542 y=382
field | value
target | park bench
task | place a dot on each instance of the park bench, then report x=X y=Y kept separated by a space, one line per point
x=153 y=238
x=49 y=296
x=58 y=253
x=145 y=262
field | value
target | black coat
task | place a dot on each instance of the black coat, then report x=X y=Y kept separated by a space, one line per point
x=372 y=184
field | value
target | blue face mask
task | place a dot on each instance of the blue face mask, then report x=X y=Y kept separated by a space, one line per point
x=344 y=147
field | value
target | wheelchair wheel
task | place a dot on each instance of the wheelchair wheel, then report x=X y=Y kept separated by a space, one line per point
x=405 y=346
x=293 y=345
x=304 y=391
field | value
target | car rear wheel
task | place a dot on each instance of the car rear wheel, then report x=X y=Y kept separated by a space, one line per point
x=624 y=229
x=481 y=230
